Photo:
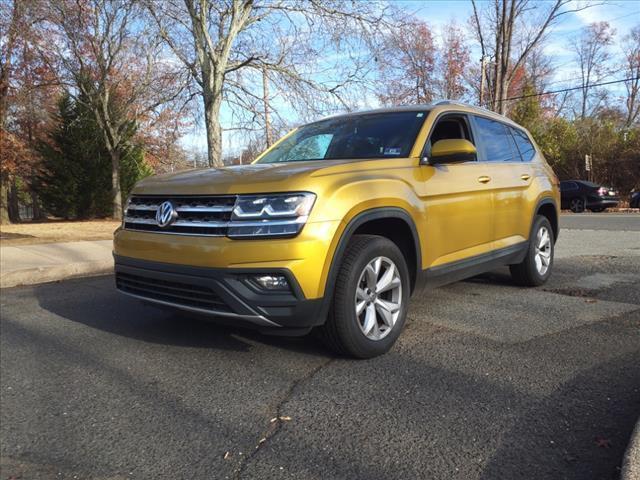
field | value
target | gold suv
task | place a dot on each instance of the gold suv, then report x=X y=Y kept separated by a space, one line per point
x=335 y=226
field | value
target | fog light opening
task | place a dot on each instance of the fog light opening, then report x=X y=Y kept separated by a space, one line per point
x=271 y=282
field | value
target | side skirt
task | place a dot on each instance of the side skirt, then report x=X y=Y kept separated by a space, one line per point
x=452 y=272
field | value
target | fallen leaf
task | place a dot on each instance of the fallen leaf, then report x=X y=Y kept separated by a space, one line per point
x=227 y=455
x=603 y=442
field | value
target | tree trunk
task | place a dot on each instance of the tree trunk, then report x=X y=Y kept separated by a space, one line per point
x=116 y=191
x=265 y=100
x=38 y=213
x=14 y=206
x=212 y=105
x=4 y=201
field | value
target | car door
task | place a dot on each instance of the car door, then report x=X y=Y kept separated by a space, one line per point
x=567 y=191
x=458 y=201
x=510 y=180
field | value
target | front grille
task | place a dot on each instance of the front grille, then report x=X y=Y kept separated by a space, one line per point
x=177 y=293
x=197 y=215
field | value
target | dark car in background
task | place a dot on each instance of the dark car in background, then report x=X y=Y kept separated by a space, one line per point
x=580 y=195
x=634 y=200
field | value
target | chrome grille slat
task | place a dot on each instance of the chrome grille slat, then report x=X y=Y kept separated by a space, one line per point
x=197 y=215
x=144 y=207
x=178 y=223
x=204 y=209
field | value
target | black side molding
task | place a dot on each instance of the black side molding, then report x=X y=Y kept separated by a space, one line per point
x=469 y=267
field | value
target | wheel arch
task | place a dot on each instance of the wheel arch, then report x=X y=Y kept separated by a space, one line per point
x=393 y=223
x=548 y=208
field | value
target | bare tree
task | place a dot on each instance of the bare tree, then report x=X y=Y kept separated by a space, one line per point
x=593 y=56
x=112 y=64
x=631 y=49
x=227 y=46
x=508 y=30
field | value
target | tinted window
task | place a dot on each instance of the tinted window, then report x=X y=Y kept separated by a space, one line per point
x=312 y=147
x=568 y=186
x=590 y=184
x=450 y=127
x=527 y=150
x=495 y=139
x=376 y=135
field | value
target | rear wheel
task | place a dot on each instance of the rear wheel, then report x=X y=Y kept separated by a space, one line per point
x=577 y=205
x=536 y=267
x=370 y=298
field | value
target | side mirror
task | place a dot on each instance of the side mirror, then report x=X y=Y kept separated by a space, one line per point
x=453 y=151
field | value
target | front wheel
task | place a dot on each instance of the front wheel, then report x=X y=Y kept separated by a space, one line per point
x=370 y=298
x=536 y=267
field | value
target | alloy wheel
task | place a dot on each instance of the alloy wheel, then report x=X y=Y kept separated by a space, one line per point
x=378 y=298
x=543 y=251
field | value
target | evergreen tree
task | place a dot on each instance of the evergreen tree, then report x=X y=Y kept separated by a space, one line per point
x=76 y=176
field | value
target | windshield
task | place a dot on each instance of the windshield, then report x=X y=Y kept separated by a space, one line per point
x=374 y=135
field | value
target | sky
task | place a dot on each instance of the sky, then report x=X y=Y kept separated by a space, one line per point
x=622 y=15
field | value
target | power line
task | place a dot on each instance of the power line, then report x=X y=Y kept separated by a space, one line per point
x=609 y=74
x=567 y=32
x=572 y=88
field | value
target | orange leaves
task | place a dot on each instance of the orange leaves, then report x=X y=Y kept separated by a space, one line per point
x=16 y=156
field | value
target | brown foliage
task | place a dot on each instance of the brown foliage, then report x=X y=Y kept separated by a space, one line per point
x=407 y=71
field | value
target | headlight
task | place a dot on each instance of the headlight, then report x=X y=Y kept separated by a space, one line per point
x=270 y=215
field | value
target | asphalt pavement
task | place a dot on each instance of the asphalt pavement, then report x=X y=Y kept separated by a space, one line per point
x=488 y=381
x=602 y=221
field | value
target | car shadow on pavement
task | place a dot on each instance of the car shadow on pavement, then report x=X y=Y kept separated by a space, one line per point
x=583 y=427
x=96 y=303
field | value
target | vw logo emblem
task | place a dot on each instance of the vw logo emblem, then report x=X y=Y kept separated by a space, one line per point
x=166 y=214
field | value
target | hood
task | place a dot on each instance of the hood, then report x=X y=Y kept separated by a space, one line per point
x=233 y=179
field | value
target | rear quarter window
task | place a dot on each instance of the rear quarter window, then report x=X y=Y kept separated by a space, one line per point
x=526 y=148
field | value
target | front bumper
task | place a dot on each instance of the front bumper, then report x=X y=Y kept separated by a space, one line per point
x=219 y=292
x=307 y=256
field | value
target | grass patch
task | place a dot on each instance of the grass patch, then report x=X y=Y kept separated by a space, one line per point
x=57 y=231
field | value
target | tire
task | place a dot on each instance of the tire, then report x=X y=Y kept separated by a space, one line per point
x=529 y=273
x=576 y=205
x=344 y=331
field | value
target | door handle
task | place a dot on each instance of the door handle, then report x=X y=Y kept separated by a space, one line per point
x=484 y=179
x=525 y=176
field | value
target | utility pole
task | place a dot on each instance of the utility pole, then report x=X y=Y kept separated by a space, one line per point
x=483 y=74
x=265 y=99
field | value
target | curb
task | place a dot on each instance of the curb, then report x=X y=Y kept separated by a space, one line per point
x=54 y=273
x=631 y=462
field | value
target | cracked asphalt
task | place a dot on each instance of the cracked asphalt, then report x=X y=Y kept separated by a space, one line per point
x=488 y=381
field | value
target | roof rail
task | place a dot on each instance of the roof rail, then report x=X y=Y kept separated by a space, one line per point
x=451 y=102
x=455 y=102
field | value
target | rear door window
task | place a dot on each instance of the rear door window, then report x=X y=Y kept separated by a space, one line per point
x=495 y=139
